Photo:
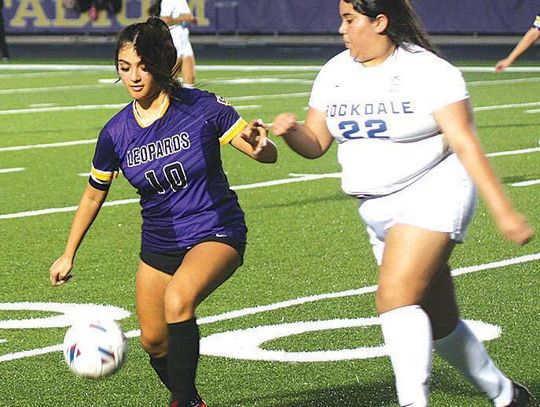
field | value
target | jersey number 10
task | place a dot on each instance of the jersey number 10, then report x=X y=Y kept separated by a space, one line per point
x=174 y=174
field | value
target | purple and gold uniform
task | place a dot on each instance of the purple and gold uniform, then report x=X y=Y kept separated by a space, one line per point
x=175 y=166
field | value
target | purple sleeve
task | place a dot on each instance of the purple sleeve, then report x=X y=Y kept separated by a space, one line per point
x=105 y=164
x=225 y=119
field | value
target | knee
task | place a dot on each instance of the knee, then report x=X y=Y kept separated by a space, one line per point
x=154 y=345
x=389 y=298
x=384 y=300
x=179 y=305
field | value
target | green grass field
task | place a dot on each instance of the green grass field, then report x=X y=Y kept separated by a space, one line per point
x=308 y=259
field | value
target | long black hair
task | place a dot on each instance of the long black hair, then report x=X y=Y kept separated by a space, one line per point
x=153 y=42
x=404 y=26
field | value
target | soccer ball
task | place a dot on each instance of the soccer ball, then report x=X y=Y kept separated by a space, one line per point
x=95 y=348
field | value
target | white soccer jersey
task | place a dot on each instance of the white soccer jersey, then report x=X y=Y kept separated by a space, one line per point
x=179 y=32
x=174 y=8
x=382 y=116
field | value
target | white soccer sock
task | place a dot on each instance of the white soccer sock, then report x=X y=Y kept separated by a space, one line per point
x=466 y=353
x=408 y=339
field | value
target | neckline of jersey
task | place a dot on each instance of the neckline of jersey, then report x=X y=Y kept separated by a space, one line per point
x=164 y=107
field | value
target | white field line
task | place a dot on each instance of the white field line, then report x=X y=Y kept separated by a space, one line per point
x=88 y=107
x=121 y=105
x=514 y=152
x=52 y=89
x=48 y=145
x=42 y=104
x=503 y=81
x=36 y=74
x=55 y=67
x=49 y=211
x=248 y=81
x=286 y=304
x=506 y=106
x=106 y=83
x=526 y=183
x=488 y=69
x=284 y=75
x=91 y=141
x=296 y=178
x=232 y=99
x=248 y=107
x=275 y=96
x=30 y=353
x=202 y=68
x=6 y=170
x=298 y=301
x=241 y=68
x=61 y=109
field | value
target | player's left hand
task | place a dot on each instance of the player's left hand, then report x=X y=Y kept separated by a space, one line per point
x=515 y=228
x=256 y=133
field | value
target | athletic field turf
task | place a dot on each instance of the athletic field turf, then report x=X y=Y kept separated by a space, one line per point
x=296 y=325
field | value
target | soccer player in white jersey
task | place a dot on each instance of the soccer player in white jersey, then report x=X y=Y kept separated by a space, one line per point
x=528 y=39
x=167 y=144
x=408 y=149
x=178 y=16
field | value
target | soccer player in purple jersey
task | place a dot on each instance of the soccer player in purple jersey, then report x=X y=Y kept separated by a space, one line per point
x=167 y=145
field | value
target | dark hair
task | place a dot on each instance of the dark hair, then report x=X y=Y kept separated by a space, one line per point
x=155 y=8
x=404 y=26
x=153 y=42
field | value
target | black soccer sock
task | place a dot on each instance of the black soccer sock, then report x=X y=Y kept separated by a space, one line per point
x=183 y=357
x=160 y=366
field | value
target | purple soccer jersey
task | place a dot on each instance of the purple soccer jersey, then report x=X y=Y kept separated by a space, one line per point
x=175 y=166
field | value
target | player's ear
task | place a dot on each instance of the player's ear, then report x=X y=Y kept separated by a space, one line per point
x=380 y=23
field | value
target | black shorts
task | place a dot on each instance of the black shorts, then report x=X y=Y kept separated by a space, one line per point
x=168 y=262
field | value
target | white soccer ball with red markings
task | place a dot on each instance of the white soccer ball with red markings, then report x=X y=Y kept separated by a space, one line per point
x=95 y=348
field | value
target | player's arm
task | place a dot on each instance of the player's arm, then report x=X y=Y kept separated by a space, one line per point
x=182 y=18
x=311 y=139
x=523 y=45
x=89 y=206
x=168 y=9
x=253 y=141
x=457 y=124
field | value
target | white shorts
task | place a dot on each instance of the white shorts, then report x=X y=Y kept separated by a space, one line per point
x=443 y=200
x=180 y=36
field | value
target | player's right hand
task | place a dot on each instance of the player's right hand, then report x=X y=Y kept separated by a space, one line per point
x=502 y=65
x=60 y=271
x=284 y=123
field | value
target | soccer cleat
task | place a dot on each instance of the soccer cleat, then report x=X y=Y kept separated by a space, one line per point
x=522 y=397
x=196 y=402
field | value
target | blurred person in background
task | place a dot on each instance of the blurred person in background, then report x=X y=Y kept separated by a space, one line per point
x=409 y=152
x=177 y=15
x=528 y=39
x=3 y=44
